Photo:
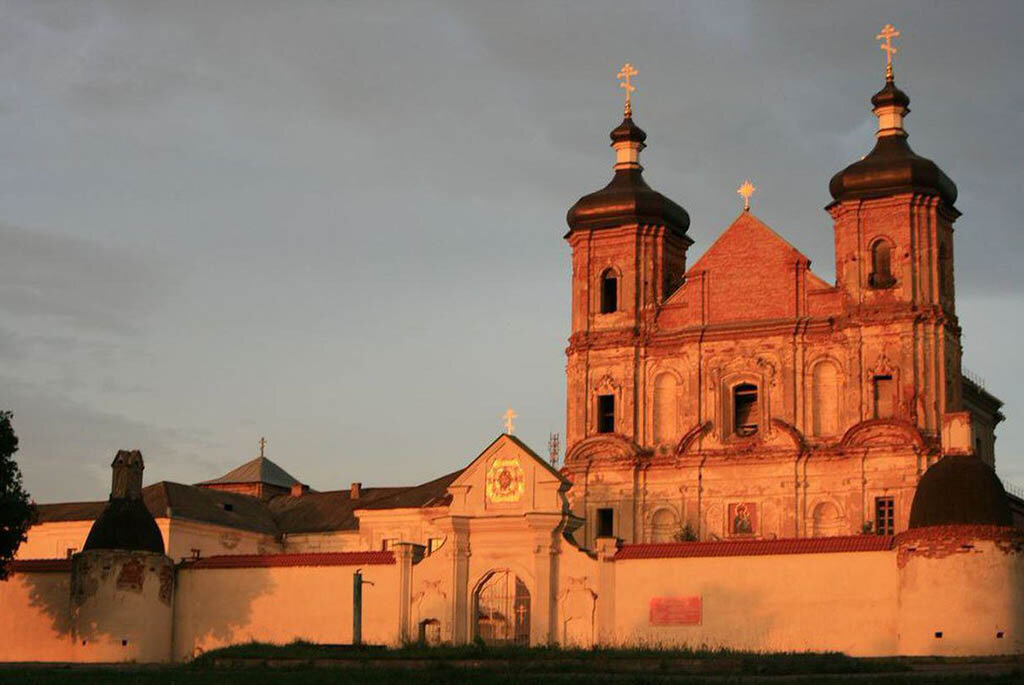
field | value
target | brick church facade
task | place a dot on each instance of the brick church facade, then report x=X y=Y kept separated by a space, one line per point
x=744 y=396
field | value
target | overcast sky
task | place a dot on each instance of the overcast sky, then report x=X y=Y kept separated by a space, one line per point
x=339 y=224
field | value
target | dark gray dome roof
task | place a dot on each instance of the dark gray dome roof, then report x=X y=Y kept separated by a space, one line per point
x=960 y=490
x=627 y=198
x=125 y=524
x=892 y=167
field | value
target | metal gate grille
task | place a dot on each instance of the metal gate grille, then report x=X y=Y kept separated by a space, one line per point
x=503 y=610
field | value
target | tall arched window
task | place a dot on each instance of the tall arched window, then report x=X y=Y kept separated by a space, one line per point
x=609 y=292
x=825 y=399
x=664 y=408
x=746 y=415
x=881 y=265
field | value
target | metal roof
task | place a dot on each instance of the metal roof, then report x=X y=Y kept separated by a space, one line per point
x=258 y=470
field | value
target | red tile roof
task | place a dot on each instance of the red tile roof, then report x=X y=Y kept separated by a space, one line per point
x=268 y=560
x=39 y=565
x=744 y=548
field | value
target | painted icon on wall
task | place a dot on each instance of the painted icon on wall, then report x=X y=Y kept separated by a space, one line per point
x=743 y=518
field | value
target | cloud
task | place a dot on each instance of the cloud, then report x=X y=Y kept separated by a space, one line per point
x=69 y=280
x=65 y=447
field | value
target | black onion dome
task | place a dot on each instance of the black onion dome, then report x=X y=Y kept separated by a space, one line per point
x=890 y=95
x=125 y=524
x=627 y=198
x=627 y=130
x=892 y=167
x=960 y=490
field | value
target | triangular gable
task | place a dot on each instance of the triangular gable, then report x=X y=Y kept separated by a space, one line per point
x=749 y=273
x=508 y=478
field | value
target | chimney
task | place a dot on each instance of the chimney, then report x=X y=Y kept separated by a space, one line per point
x=299 y=489
x=126 y=482
x=355 y=490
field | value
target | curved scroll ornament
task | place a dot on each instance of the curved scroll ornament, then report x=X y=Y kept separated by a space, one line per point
x=691 y=437
x=888 y=432
x=605 y=446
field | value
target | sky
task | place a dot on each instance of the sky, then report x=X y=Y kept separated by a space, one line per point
x=339 y=224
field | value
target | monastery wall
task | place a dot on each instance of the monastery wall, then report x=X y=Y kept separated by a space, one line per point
x=181 y=537
x=216 y=607
x=800 y=602
x=52 y=540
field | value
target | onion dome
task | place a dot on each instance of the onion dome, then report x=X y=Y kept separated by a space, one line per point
x=126 y=522
x=891 y=167
x=960 y=490
x=627 y=199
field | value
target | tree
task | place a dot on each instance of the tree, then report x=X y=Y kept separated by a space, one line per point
x=16 y=511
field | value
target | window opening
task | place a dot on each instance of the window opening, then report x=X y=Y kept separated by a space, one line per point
x=745 y=409
x=883 y=397
x=606 y=413
x=605 y=523
x=885 y=521
x=881 y=266
x=609 y=292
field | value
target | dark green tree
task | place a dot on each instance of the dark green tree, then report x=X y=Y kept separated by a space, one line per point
x=16 y=511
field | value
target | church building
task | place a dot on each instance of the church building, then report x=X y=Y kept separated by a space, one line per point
x=756 y=459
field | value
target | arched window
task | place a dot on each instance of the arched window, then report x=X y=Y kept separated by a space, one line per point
x=825 y=399
x=609 y=292
x=746 y=415
x=881 y=265
x=664 y=408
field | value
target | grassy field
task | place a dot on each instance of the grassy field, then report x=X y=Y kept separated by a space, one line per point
x=308 y=663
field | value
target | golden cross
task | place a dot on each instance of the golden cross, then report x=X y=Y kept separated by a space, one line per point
x=887 y=34
x=624 y=74
x=510 y=417
x=263 y=444
x=746 y=190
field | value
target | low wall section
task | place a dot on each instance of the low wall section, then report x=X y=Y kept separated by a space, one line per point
x=822 y=594
x=281 y=598
x=35 y=611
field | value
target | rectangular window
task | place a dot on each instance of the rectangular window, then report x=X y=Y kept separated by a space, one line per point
x=745 y=409
x=884 y=397
x=434 y=544
x=388 y=544
x=606 y=413
x=885 y=521
x=605 y=523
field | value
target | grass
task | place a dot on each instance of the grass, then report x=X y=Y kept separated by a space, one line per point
x=247 y=664
x=575 y=660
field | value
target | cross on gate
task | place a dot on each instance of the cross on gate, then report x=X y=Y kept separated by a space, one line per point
x=510 y=417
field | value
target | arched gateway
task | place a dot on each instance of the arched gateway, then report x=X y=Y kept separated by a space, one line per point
x=502 y=609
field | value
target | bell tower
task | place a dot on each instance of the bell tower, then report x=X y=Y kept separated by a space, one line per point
x=894 y=212
x=629 y=247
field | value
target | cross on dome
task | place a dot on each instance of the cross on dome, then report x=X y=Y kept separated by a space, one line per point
x=624 y=74
x=887 y=34
x=263 y=444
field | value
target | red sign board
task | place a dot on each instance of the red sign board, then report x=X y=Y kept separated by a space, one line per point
x=676 y=611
